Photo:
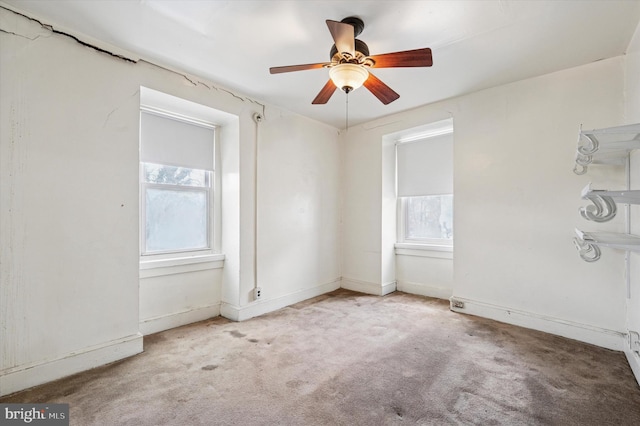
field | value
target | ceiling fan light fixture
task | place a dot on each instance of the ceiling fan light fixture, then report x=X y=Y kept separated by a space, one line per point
x=350 y=63
x=348 y=77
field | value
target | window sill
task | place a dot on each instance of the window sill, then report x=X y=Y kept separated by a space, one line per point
x=178 y=265
x=424 y=250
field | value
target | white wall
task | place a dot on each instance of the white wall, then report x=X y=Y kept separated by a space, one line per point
x=174 y=299
x=632 y=115
x=298 y=215
x=516 y=202
x=69 y=298
x=632 y=79
x=69 y=149
x=427 y=273
x=299 y=206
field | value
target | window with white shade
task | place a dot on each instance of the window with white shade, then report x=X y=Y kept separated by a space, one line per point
x=424 y=164
x=176 y=180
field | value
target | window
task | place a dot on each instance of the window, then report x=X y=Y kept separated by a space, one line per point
x=176 y=208
x=428 y=219
x=176 y=181
x=424 y=164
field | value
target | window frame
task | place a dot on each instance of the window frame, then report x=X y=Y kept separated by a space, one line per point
x=423 y=245
x=196 y=255
x=207 y=189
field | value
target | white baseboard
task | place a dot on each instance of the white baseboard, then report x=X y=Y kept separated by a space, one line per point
x=26 y=376
x=367 y=287
x=257 y=308
x=425 y=290
x=602 y=337
x=166 y=322
x=634 y=362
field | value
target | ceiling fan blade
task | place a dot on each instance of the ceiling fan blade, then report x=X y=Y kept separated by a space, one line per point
x=325 y=93
x=384 y=93
x=290 y=68
x=407 y=58
x=343 y=36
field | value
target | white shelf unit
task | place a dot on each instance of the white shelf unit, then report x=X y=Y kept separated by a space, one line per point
x=604 y=207
x=588 y=243
x=611 y=146
x=606 y=146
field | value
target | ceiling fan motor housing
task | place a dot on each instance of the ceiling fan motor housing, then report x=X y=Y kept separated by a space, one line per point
x=356 y=23
x=361 y=47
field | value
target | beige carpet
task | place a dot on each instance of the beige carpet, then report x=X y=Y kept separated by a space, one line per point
x=351 y=359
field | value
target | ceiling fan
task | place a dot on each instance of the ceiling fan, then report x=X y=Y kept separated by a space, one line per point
x=350 y=63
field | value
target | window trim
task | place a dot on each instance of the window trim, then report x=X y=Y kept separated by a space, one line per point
x=171 y=259
x=442 y=248
x=179 y=117
x=176 y=265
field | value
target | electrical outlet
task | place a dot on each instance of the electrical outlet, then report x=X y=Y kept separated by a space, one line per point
x=257 y=293
x=457 y=304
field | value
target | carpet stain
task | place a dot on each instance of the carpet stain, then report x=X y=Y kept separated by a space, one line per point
x=71 y=391
x=236 y=333
x=294 y=384
x=398 y=412
x=209 y=367
x=154 y=338
x=253 y=340
x=502 y=361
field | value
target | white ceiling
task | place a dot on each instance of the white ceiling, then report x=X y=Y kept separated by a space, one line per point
x=476 y=44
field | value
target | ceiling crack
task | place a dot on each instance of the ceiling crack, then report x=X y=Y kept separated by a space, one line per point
x=106 y=120
x=51 y=29
x=19 y=35
x=99 y=49
x=54 y=31
x=231 y=93
x=219 y=89
x=193 y=83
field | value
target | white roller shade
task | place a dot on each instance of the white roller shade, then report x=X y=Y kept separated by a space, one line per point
x=425 y=166
x=171 y=141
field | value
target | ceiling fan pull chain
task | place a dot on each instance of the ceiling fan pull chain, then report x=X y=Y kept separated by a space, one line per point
x=347 y=112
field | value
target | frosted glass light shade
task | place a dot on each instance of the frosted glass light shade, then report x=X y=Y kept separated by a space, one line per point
x=348 y=77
